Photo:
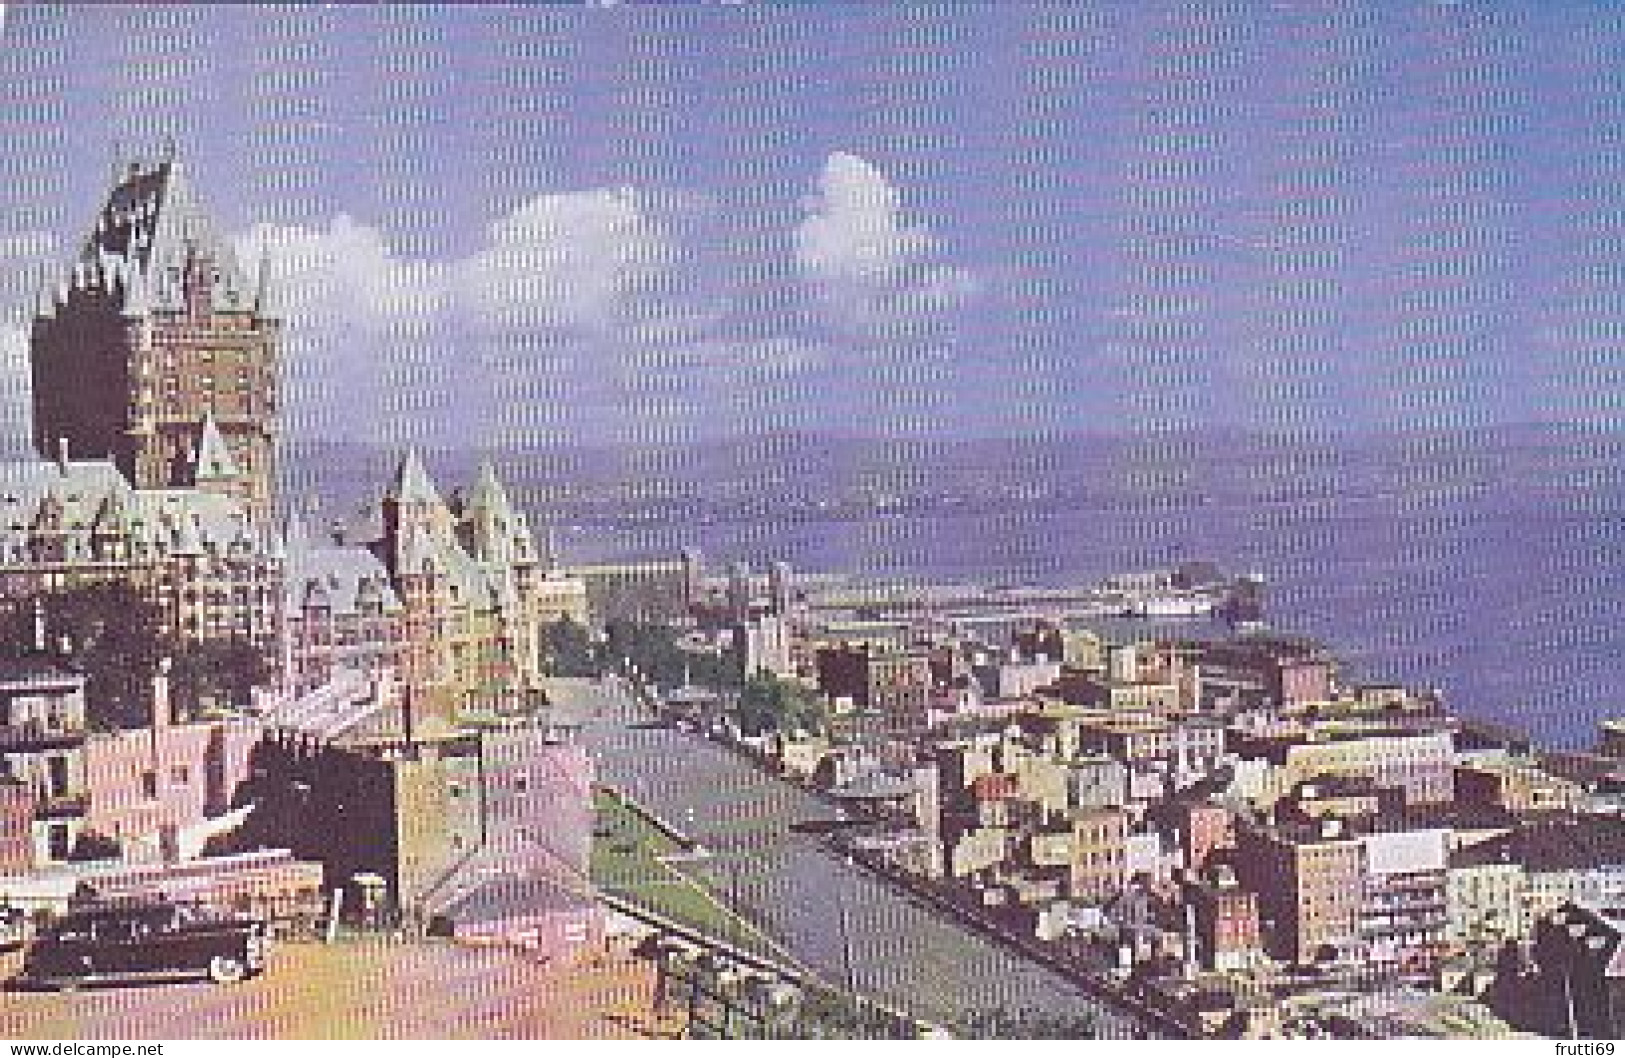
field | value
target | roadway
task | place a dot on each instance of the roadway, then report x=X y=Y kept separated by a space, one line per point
x=837 y=918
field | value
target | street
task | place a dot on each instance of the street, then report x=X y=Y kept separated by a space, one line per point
x=850 y=926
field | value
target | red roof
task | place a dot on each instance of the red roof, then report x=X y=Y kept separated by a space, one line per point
x=996 y=787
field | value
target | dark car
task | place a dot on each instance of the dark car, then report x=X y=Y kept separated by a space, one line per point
x=13 y=927
x=146 y=942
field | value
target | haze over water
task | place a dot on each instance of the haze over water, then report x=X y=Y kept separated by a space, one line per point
x=1488 y=567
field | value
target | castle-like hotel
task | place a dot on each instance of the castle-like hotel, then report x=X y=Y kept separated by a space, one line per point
x=155 y=364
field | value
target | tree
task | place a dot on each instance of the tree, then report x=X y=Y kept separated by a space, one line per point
x=226 y=671
x=569 y=649
x=768 y=703
x=113 y=632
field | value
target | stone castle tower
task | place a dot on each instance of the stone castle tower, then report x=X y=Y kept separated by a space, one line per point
x=157 y=351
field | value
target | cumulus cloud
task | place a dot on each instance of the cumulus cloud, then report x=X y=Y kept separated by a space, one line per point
x=346 y=268
x=375 y=335
x=569 y=261
x=864 y=263
x=587 y=302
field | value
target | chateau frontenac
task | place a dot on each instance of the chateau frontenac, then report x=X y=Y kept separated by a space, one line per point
x=155 y=364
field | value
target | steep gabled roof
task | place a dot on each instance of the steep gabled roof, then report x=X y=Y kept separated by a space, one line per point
x=412 y=483
x=214 y=459
x=489 y=496
x=147 y=233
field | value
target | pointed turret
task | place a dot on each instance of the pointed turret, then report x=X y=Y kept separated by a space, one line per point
x=415 y=517
x=136 y=301
x=44 y=298
x=215 y=463
x=188 y=538
x=412 y=483
x=496 y=532
x=488 y=493
x=264 y=293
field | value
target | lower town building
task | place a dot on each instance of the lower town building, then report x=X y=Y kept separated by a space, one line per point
x=1420 y=764
x=1099 y=854
x=1486 y=899
x=1224 y=919
x=890 y=689
x=1309 y=880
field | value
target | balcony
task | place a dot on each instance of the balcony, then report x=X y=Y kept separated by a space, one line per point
x=34 y=735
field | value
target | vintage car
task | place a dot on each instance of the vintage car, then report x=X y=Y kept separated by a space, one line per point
x=155 y=941
x=13 y=927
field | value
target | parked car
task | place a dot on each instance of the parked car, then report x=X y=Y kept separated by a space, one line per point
x=13 y=927
x=146 y=942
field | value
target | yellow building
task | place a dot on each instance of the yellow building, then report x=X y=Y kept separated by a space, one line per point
x=474 y=590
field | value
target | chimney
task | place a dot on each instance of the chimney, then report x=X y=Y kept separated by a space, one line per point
x=163 y=710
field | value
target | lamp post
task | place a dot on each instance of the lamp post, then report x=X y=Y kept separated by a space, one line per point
x=844 y=929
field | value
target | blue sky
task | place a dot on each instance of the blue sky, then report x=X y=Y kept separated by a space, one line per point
x=646 y=224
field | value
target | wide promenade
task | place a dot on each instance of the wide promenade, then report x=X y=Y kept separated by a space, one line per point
x=837 y=918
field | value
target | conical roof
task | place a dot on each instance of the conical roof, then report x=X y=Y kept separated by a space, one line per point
x=412 y=483
x=265 y=292
x=488 y=495
x=214 y=459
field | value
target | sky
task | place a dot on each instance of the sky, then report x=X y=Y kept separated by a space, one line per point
x=646 y=224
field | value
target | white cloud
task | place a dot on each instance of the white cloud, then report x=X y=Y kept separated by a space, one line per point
x=568 y=261
x=596 y=300
x=865 y=263
x=377 y=339
x=854 y=227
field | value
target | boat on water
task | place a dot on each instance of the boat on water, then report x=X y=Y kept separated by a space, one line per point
x=1169 y=606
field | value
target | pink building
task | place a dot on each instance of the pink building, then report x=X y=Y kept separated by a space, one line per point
x=1305 y=681
x=160 y=792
